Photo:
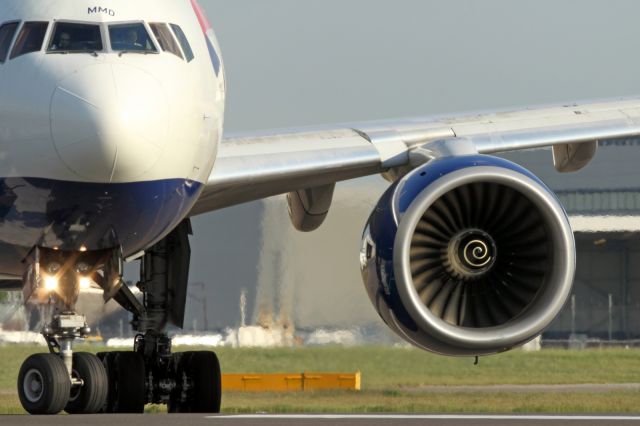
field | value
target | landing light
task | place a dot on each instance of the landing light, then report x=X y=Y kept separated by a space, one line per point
x=50 y=283
x=85 y=282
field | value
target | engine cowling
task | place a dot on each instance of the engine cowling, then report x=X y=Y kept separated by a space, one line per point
x=468 y=255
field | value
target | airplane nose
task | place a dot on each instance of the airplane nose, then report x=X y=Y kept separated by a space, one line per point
x=109 y=122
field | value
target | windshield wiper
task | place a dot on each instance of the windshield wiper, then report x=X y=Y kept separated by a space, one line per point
x=143 y=52
x=66 y=52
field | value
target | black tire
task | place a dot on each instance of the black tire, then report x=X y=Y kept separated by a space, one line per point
x=180 y=361
x=43 y=384
x=129 y=379
x=108 y=361
x=202 y=372
x=207 y=384
x=90 y=397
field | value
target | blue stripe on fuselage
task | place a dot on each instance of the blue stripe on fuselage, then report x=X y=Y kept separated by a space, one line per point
x=53 y=213
x=215 y=59
x=213 y=53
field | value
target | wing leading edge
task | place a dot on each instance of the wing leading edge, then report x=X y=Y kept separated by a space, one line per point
x=251 y=167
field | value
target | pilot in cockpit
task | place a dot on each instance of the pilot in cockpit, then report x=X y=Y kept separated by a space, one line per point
x=64 y=42
x=131 y=41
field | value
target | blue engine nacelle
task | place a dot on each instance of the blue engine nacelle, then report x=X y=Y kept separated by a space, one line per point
x=468 y=255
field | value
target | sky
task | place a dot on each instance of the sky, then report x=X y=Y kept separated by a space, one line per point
x=293 y=63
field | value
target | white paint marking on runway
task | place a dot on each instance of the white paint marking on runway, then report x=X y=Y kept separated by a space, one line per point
x=424 y=417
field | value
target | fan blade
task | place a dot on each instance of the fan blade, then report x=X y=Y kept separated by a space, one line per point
x=451 y=311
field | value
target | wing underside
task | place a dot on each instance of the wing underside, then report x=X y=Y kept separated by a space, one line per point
x=251 y=167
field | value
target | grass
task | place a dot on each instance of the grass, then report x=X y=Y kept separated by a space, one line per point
x=385 y=368
x=384 y=402
x=389 y=374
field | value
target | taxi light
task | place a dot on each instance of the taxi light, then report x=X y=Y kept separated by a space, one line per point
x=85 y=282
x=50 y=283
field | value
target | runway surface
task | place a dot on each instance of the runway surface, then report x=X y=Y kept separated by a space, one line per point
x=317 y=420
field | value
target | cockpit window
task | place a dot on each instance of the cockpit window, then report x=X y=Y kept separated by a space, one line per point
x=75 y=38
x=165 y=39
x=7 y=31
x=182 y=38
x=30 y=38
x=131 y=38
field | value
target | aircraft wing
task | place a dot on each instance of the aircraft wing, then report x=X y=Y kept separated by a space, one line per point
x=250 y=167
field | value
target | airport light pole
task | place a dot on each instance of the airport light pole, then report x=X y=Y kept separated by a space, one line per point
x=202 y=300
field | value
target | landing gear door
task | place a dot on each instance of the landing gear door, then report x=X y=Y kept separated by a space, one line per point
x=179 y=256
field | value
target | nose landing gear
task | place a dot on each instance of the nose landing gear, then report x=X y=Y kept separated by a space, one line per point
x=76 y=382
x=117 y=382
x=61 y=379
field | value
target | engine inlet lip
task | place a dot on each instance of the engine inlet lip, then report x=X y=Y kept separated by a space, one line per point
x=547 y=303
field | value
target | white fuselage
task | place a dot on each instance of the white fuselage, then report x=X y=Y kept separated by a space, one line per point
x=104 y=146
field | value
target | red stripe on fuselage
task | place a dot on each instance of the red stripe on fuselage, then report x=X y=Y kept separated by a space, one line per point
x=202 y=17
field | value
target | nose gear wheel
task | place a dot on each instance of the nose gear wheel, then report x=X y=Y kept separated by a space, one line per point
x=43 y=384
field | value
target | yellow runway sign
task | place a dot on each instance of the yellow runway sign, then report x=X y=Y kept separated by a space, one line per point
x=282 y=382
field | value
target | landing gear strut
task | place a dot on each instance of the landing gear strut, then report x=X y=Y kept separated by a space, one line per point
x=117 y=382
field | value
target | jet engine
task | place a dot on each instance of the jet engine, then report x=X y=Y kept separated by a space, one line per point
x=468 y=255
